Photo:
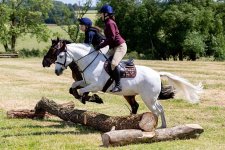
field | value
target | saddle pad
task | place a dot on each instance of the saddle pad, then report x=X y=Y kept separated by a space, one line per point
x=125 y=72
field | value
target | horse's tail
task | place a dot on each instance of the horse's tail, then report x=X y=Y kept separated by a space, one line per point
x=191 y=92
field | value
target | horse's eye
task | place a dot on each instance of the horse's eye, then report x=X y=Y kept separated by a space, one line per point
x=60 y=56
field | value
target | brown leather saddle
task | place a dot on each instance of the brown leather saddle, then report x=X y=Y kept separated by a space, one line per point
x=127 y=70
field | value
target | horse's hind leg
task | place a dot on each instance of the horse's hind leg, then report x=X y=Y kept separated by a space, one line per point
x=133 y=103
x=155 y=107
x=162 y=115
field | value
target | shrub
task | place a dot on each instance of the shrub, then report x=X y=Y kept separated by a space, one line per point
x=31 y=53
x=132 y=54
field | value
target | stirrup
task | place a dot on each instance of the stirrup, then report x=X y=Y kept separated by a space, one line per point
x=116 y=89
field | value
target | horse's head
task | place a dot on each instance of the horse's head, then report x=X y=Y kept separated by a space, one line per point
x=54 y=50
x=81 y=54
x=64 y=58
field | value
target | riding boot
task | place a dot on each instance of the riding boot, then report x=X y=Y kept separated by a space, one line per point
x=116 y=74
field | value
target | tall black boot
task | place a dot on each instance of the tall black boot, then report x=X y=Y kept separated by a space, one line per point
x=116 y=74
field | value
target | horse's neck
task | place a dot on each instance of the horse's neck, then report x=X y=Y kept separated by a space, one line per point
x=78 y=50
x=84 y=55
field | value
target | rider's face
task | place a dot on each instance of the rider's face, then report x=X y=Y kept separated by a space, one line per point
x=82 y=28
x=102 y=16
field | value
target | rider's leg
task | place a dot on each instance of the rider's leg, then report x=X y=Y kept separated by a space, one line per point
x=116 y=76
x=120 y=51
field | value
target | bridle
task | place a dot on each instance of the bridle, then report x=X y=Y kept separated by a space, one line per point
x=76 y=61
x=51 y=58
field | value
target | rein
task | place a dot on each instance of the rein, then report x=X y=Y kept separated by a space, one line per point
x=76 y=61
x=82 y=71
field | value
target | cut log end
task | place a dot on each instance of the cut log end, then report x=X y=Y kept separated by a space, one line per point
x=148 y=122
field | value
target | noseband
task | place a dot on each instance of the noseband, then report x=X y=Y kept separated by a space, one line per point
x=63 y=64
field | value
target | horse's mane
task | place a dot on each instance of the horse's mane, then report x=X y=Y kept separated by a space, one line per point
x=64 y=40
x=83 y=46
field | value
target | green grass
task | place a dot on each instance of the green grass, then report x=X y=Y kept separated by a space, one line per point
x=28 y=42
x=24 y=82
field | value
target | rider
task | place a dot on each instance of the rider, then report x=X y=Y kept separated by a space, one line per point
x=116 y=43
x=92 y=34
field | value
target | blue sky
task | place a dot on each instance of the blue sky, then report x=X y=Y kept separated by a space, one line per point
x=77 y=1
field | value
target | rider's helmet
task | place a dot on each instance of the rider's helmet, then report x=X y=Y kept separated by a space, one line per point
x=106 y=9
x=85 y=21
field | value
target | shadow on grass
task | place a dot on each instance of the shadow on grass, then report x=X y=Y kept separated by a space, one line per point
x=79 y=129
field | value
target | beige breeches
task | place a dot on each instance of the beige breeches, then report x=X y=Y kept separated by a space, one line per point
x=118 y=54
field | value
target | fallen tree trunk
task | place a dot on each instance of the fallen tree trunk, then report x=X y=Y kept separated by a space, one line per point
x=146 y=121
x=26 y=113
x=123 y=137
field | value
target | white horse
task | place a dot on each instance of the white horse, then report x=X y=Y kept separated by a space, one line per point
x=147 y=82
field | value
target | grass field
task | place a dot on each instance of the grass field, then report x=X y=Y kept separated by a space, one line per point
x=23 y=82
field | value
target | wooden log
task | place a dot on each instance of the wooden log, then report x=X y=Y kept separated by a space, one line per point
x=26 y=113
x=123 y=137
x=146 y=121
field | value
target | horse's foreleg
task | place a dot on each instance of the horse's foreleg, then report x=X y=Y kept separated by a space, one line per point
x=74 y=87
x=89 y=88
x=77 y=83
x=134 y=105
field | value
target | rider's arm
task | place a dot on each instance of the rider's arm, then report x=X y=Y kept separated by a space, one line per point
x=89 y=37
x=110 y=33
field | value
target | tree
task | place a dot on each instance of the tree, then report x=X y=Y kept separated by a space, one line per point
x=22 y=17
x=4 y=15
x=182 y=29
x=69 y=20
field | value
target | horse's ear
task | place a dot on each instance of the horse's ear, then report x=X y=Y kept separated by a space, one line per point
x=57 y=38
x=64 y=45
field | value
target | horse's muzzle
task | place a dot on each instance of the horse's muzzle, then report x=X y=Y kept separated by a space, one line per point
x=46 y=63
x=58 y=72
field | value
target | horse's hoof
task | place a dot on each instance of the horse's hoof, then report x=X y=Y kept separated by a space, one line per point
x=83 y=101
x=135 y=108
x=98 y=99
x=73 y=91
x=161 y=127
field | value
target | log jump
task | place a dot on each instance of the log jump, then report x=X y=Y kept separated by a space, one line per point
x=119 y=130
x=145 y=121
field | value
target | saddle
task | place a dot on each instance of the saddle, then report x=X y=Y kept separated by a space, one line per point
x=127 y=70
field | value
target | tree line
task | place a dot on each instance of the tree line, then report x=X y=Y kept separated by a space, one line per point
x=153 y=29
x=178 y=29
